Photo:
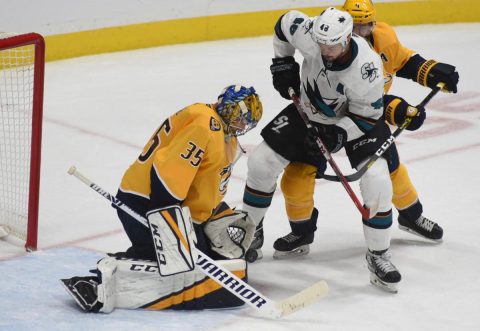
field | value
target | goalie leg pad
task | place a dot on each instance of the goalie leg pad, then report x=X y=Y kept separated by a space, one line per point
x=174 y=239
x=131 y=284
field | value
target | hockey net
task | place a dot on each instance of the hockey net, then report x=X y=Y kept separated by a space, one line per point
x=22 y=61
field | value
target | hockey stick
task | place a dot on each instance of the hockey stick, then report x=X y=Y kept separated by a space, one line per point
x=357 y=175
x=326 y=154
x=225 y=278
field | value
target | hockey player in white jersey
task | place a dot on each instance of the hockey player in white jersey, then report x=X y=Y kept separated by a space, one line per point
x=341 y=89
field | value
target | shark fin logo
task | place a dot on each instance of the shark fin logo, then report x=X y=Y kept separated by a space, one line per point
x=317 y=101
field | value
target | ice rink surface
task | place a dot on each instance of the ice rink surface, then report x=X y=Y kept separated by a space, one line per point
x=100 y=111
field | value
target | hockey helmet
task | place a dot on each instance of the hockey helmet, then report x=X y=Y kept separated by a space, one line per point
x=240 y=109
x=362 y=11
x=332 y=27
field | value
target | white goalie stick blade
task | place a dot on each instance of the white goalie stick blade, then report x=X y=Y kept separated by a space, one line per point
x=228 y=280
x=303 y=299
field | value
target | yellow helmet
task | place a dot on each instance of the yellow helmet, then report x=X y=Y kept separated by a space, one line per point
x=362 y=11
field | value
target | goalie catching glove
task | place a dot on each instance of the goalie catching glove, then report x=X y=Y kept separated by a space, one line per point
x=230 y=231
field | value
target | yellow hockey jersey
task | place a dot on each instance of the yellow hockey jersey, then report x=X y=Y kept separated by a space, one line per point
x=192 y=159
x=394 y=56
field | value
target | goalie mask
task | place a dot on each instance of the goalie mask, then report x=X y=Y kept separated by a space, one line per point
x=240 y=109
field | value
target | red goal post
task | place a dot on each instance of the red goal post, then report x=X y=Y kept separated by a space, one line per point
x=22 y=66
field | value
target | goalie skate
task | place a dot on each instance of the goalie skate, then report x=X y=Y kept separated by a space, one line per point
x=422 y=227
x=292 y=245
x=383 y=274
x=84 y=292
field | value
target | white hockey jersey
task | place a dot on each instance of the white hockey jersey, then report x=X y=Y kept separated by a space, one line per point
x=350 y=95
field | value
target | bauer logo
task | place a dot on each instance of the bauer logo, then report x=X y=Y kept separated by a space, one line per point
x=214 y=124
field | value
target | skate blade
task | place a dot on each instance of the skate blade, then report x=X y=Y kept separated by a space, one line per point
x=404 y=228
x=388 y=287
x=299 y=251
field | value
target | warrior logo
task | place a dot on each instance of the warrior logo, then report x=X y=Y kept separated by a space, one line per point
x=369 y=72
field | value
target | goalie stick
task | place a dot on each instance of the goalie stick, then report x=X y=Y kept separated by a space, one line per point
x=366 y=212
x=225 y=278
x=390 y=140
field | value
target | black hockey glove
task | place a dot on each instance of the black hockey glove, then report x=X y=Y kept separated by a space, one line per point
x=285 y=73
x=443 y=73
x=397 y=110
x=430 y=73
x=332 y=136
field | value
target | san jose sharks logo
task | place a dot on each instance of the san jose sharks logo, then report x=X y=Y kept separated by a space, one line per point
x=369 y=72
x=321 y=104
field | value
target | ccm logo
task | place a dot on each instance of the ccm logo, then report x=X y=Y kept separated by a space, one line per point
x=364 y=142
x=144 y=267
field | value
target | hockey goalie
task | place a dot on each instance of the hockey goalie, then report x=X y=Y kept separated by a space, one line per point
x=178 y=183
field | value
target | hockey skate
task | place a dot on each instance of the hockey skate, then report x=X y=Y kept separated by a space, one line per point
x=84 y=291
x=292 y=245
x=254 y=253
x=422 y=227
x=383 y=273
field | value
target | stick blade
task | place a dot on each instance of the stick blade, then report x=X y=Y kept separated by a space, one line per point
x=303 y=299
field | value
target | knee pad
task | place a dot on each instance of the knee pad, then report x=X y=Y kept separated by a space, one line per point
x=404 y=193
x=298 y=185
x=376 y=187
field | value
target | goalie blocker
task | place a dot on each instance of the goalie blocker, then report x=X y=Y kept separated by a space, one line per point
x=174 y=239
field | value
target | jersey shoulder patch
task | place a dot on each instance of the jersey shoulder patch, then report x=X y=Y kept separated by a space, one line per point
x=214 y=124
x=369 y=71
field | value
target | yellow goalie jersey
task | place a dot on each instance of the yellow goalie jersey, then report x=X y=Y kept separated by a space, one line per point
x=394 y=56
x=191 y=159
